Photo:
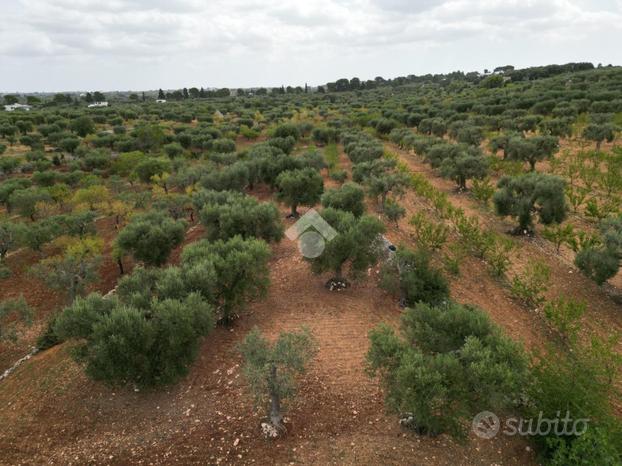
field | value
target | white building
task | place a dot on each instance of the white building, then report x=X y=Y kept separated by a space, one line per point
x=160 y=101
x=13 y=107
x=98 y=104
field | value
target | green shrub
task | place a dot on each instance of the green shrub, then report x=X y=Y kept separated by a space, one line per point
x=393 y=211
x=410 y=276
x=483 y=190
x=599 y=257
x=339 y=175
x=498 y=255
x=428 y=234
x=450 y=364
x=597 y=264
x=580 y=382
x=596 y=447
x=286 y=130
x=530 y=285
x=473 y=236
x=560 y=234
x=564 y=315
x=13 y=313
x=48 y=337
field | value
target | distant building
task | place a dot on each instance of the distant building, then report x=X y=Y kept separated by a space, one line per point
x=13 y=107
x=160 y=101
x=98 y=104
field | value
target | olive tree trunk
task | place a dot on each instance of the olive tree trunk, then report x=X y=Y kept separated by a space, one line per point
x=276 y=417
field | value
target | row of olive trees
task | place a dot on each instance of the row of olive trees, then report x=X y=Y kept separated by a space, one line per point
x=527 y=196
x=522 y=196
x=378 y=175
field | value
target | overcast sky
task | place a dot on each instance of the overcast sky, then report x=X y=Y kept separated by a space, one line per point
x=63 y=45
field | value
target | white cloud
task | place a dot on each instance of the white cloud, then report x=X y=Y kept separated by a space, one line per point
x=119 y=44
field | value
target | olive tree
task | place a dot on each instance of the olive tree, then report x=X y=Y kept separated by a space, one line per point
x=173 y=150
x=228 y=273
x=601 y=261
x=286 y=130
x=233 y=177
x=501 y=142
x=285 y=144
x=8 y=165
x=534 y=193
x=438 y=153
x=83 y=125
x=177 y=206
x=126 y=162
x=380 y=186
x=362 y=171
x=356 y=243
x=268 y=166
x=451 y=363
x=8 y=187
x=532 y=150
x=226 y=214
x=34 y=235
x=349 y=197
x=9 y=238
x=472 y=135
x=151 y=237
x=147 y=168
x=599 y=133
x=72 y=271
x=271 y=368
x=91 y=197
x=465 y=166
x=25 y=201
x=69 y=144
x=13 y=313
x=148 y=137
x=121 y=344
x=393 y=211
x=299 y=187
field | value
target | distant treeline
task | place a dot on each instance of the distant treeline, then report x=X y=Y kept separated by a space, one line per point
x=495 y=78
x=525 y=74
